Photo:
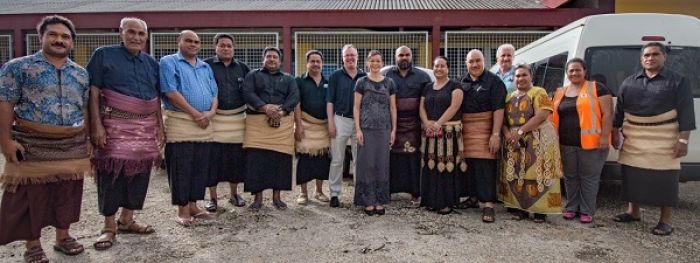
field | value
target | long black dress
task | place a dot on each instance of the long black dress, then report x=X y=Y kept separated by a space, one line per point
x=441 y=160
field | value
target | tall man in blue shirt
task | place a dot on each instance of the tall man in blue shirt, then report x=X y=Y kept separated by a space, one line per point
x=190 y=100
x=43 y=102
x=341 y=128
x=126 y=128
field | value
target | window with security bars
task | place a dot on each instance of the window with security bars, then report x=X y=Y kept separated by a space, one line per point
x=248 y=47
x=330 y=44
x=459 y=43
x=5 y=48
x=83 y=45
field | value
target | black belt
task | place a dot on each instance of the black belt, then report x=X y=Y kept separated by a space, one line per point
x=653 y=123
x=344 y=115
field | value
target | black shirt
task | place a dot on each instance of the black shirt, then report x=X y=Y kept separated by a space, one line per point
x=643 y=96
x=569 y=124
x=229 y=79
x=410 y=86
x=436 y=102
x=312 y=97
x=486 y=93
x=340 y=91
x=261 y=87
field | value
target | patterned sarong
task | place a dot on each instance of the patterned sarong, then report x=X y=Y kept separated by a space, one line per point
x=259 y=134
x=229 y=125
x=444 y=152
x=648 y=145
x=316 y=140
x=476 y=134
x=53 y=153
x=408 y=130
x=132 y=146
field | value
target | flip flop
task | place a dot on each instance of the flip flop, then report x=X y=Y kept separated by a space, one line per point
x=625 y=218
x=662 y=229
x=279 y=204
x=186 y=223
x=69 y=246
x=488 y=215
x=204 y=215
x=255 y=207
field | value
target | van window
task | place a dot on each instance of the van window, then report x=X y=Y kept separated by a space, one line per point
x=549 y=72
x=611 y=65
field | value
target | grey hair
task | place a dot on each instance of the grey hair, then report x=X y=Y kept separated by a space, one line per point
x=346 y=47
x=126 y=20
x=503 y=47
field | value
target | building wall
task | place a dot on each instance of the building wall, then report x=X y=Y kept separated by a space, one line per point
x=687 y=7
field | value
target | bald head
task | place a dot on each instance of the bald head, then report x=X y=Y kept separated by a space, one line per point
x=403 y=58
x=475 y=63
x=188 y=43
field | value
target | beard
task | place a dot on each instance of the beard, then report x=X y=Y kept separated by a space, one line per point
x=405 y=64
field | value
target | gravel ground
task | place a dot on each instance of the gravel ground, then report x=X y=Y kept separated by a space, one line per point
x=318 y=233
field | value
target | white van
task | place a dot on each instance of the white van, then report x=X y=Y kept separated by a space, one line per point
x=611 y=45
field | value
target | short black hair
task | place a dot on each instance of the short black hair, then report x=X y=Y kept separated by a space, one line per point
x=52 y=20
x=277 y=50
x=576 y=60
x=447 y=62
x=524 y=66
x=223 y=35
x=314 y=52
x=660 y=45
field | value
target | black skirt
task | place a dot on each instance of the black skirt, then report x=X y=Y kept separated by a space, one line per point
x=127 y=192
x=267 y=169
x=312 y=167
x=439 y=189
x=650 y=187
x=404 y=173
x=227 y=164
x=188 y=170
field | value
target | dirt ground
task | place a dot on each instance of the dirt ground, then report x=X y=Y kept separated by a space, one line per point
x=318 y=233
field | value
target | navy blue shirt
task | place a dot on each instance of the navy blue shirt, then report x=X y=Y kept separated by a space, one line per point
x=229 y=80
x=341 y=88
x=312 y=97
x=114 y=68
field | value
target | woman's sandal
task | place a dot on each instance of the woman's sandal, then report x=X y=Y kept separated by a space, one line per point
x=184 y=222
x=539 y=218
x=35 y=255
x=662 y=229
x=279 y=204
x=204 y=215
x=444 y=211
x=469 y=203
x=488 y=215
x=519 y=215
x=69 y=247
x=106 y=239
x=625 y=218
x=135 y=228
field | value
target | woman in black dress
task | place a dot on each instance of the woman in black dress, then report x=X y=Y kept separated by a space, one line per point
x=441 y=143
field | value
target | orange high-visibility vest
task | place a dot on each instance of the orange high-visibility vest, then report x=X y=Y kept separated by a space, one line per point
x=589 y=115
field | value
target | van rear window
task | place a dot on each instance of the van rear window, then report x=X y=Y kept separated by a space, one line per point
x=611 y=65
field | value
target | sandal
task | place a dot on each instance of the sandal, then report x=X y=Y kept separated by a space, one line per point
x=518 y=215
x=469 y=203
x=211 y=206
x=585 y=218
x=186 y=223
x=445 y=211
x=204 y=215
x=625 y=218
x=279 y=204
x=569 y=215
x=69 y=247
x=237 y=200
x=662 y=229
x=35 y=255
x=255 y=207
x=135 y=228
x=539 y=218
x=106 y=239
x=488 y=215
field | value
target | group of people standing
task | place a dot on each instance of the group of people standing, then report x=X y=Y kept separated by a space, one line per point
x=485 y=138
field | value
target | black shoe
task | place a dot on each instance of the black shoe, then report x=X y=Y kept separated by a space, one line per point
x=237 y=200
x=335 y=202
x=370 y=212
x=380 y=212
x=211 y=206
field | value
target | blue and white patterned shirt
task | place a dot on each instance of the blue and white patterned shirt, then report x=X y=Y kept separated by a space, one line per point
x=196 y=84
x=507 y=78
x=44 y=94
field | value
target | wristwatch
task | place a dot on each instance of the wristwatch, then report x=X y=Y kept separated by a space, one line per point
x=683 y=141
x=520 y=132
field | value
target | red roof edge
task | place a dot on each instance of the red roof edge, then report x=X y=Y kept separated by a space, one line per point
x=554 y=3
